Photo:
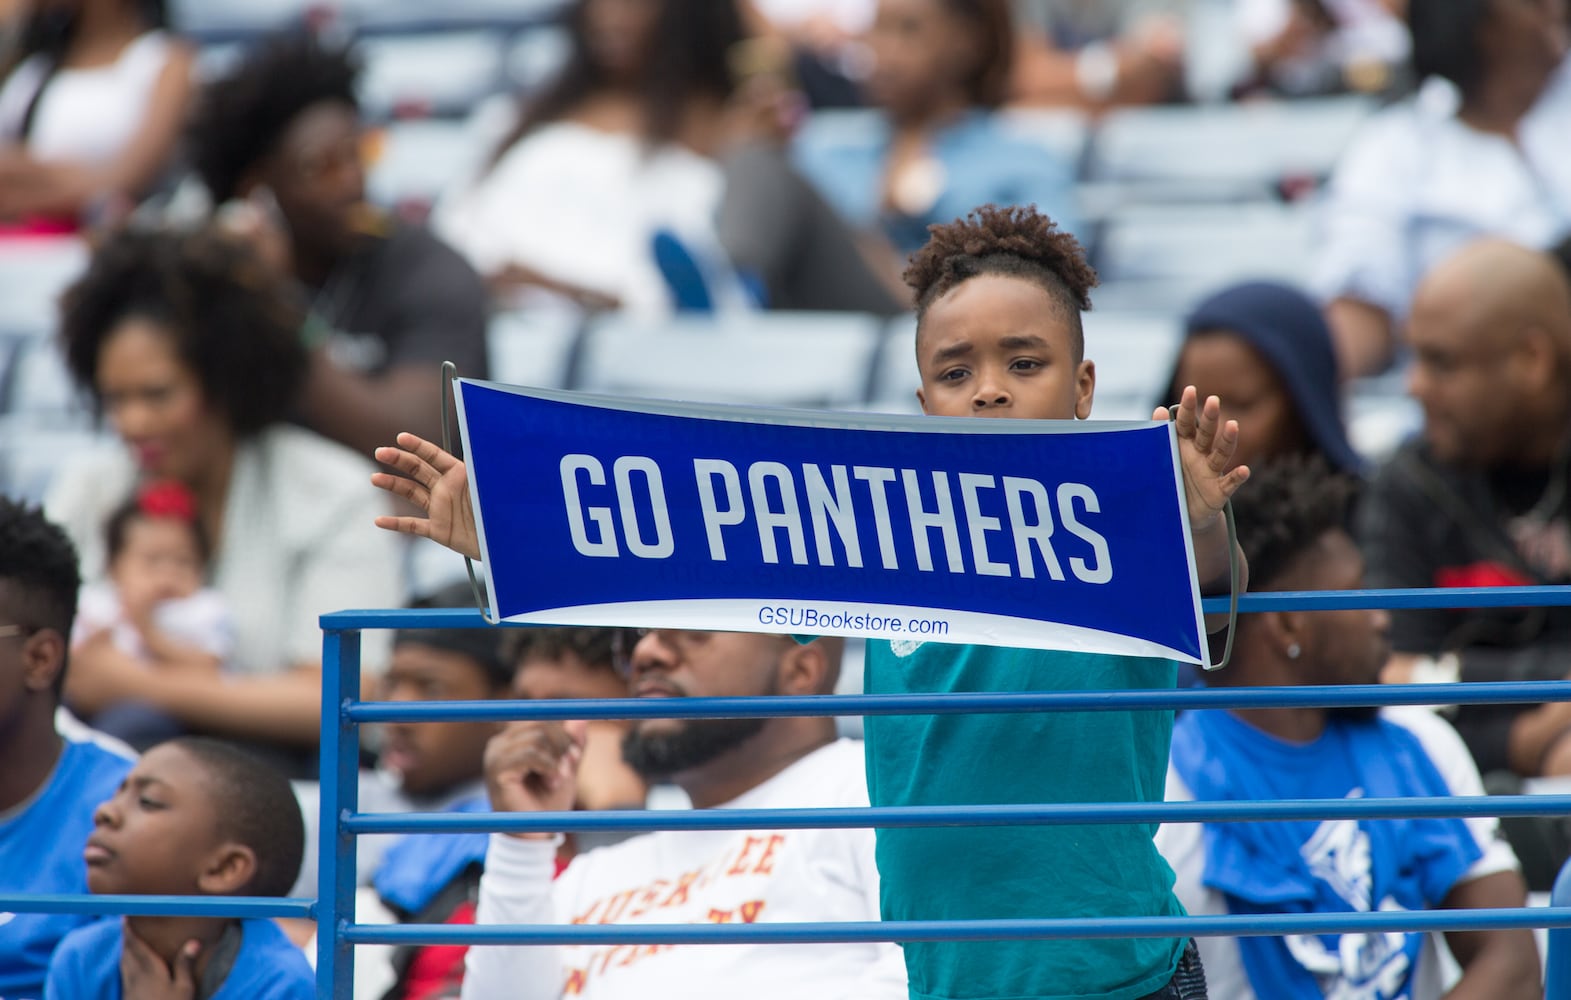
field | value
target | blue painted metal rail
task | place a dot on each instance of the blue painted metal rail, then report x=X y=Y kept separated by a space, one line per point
x=341 y=822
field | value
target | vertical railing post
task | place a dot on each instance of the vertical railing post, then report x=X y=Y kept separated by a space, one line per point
x=1557 y=977
x=340 y=760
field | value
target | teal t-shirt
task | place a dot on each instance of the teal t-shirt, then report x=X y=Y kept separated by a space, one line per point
x=1022 y=872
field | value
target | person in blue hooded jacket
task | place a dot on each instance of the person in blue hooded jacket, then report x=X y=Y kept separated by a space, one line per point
x=1265 y=349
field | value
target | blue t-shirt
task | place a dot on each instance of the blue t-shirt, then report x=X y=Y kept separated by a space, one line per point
x=267 y=966
x=1022 y=872
x=41 y=853
x=1323 y=866
x=980 y=163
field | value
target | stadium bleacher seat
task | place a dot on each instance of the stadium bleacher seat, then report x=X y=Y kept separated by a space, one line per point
x=1245 y=147
x=438 y=74
x=417 y=160
x=532 y=348
x=31 y=454
x=768 y=359
x=33 y=273
x=1063 y=133
x=1207 y=244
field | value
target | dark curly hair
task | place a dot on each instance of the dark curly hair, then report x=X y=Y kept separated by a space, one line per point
x=1445 y=40
x=232 y=321
x=255 y=807
x=39 y=562
x=38 y=568
x=1285 y=508
x=240 y=118
x=487 y=647
x=688 y=58
x=597 y=648
x=1014 y=241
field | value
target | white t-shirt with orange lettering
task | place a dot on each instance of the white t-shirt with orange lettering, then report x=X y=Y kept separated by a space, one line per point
x=738 y=877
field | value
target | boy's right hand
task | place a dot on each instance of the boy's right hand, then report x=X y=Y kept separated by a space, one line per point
x=144 y=976
x=437 y=483
x=533 y=767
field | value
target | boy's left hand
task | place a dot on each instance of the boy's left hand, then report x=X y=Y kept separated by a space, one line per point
x=144 y=976
x=1205 y=450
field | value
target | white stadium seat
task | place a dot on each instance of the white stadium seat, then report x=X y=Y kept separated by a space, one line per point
x=769 y=359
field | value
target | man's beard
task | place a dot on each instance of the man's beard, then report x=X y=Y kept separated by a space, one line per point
x=658 y=756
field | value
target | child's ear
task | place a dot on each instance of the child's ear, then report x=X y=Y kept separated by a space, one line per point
x=228 y=870
x=1085 y=389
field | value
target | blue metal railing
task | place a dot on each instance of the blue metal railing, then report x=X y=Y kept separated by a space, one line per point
x=341 y=822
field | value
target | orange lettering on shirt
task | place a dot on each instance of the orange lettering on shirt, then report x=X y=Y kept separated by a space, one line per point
x=647 y=898
x=575 y=983
x=683 y=885
x=583 y=918
x=615 y=908
x=766 y=864
x=720 y=916
x=740 y=866
x=751 y=910
x=606 y=956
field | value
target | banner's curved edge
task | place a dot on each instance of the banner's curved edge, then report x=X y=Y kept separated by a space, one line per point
x=962 y=627
x=745 y=414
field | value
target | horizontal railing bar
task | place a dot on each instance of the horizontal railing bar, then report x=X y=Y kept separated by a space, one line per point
x=1311 y=600
x=1231 y=925
x=777 y=706
x=896 y=817
x=160 y=906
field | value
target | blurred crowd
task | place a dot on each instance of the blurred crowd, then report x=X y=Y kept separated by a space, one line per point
x=236 y=242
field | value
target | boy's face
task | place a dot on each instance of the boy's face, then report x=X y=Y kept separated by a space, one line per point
x=159 y=833
x=431 y=758
x=998 y=346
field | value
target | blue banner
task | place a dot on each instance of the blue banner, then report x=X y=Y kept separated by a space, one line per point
x=1046 y=534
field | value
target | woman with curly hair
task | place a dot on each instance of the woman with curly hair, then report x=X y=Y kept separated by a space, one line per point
x=195 y=360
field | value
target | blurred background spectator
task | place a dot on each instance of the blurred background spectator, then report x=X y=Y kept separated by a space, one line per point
x=1304 y=47
x=92 y=97
x=1265 y=350
x=192 y=353
x=1480 y=499
x=940 y=68
x=1099 y=53
x=618 y=147
x=387 y=301
x=1478 y=152
x=154 y=605
x=617 y=189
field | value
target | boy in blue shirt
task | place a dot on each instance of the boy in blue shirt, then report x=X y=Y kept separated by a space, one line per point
x=998 y=299
x=48 y=785
x=195 y=817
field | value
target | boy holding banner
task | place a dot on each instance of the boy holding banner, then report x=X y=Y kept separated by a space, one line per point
x=998 y=297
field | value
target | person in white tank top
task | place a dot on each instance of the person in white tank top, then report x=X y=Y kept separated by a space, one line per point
x=91 y=104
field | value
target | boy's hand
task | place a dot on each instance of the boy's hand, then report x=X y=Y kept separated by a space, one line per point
x=437 y=483
x=1205 y=451
x=533 y=767
x=144 y=976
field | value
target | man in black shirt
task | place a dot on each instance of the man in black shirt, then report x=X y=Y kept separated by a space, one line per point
x=1481 y=499
x=282 y=136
